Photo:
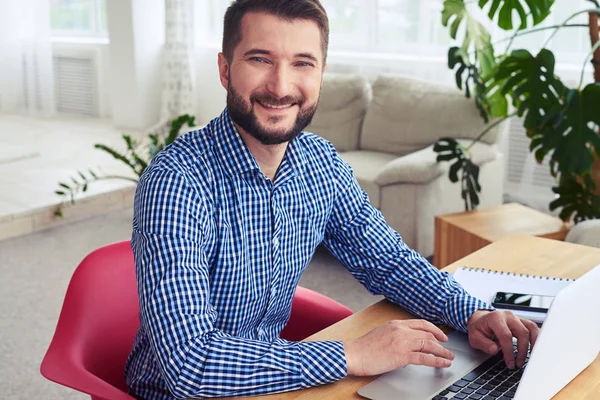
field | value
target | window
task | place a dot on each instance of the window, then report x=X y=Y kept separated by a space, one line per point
x=78 y=18
x=385 y=26
x=355 y=25
x=407 y=27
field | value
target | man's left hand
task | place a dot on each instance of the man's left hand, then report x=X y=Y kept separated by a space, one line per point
x=491 y=331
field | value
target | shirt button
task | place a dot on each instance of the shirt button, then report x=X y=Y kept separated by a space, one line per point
x=275 y=242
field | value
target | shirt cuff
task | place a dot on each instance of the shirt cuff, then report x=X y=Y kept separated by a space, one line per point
x=322 y=362
x=460 y=309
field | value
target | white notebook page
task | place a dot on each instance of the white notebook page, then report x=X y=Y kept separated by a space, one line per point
x=483 y=284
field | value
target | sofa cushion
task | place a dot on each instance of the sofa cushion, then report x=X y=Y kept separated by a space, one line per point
x=366 y=166
x=406 y=114
x=422 y=167
x=342 y=107
x=586 y=233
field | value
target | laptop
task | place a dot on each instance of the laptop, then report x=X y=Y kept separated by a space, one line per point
x=569 y=341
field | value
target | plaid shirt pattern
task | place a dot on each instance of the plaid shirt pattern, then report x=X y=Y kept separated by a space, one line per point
x=219 y=250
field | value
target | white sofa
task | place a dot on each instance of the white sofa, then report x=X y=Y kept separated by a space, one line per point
x=386 y=132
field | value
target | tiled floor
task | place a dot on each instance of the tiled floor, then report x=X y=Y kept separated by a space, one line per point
x=37 y=153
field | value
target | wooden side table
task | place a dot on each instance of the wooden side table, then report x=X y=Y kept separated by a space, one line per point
x=460 y=234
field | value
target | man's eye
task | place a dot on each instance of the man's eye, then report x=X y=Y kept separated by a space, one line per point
x=259 y=59
x=304 y=64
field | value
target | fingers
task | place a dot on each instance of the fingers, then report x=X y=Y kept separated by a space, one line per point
x=484 y=343
x=501 y=326
x=521 y=332
x=433 y=347
x=426 y=326
x=428 y=360
x=534 y=330
x=500 y=329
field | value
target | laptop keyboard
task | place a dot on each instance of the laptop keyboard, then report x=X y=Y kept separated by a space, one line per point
x=491 y=380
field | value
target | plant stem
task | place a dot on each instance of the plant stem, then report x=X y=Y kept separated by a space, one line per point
x=596 y=3
x=596 y=47
x=591 y=10
x=489 y=128
x=595 y=38
x=523 y=33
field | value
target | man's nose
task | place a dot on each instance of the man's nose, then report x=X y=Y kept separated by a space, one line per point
x=279 y=84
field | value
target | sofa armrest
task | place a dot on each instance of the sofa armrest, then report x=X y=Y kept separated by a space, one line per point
x=421 y=166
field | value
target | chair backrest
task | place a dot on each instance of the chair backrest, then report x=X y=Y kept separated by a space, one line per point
x=100 y=317
x=97 y=325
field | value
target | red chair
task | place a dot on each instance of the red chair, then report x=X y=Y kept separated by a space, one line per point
x=99 y=320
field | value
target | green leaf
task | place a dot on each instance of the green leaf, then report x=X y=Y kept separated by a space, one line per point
x=531 y=82
x=504 y=11
x=476 y=37
x=176 y=126
x=60 y=192
x=454 y=170
x=131 y=144
x=570 y=131
x=64 y=185
x=116 y=155
x=93 y=174
x=576 y=197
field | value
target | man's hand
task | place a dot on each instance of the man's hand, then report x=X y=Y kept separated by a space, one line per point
x=397 y=344
x=488 y=329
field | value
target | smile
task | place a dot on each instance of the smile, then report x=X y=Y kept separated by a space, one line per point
x=274 y=107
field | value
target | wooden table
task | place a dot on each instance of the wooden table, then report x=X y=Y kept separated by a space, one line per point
x=526 y=254
x=460 y=234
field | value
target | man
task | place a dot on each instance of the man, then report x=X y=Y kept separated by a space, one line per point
x=227 y=218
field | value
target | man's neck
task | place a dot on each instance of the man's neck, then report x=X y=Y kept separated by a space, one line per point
x=268 y=157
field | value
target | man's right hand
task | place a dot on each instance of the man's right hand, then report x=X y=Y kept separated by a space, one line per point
x=397 y=344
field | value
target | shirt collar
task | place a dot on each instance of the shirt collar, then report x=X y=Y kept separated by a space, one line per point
x=238 y=159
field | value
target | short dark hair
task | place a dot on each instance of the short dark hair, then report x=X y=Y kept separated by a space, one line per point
x=288 y=10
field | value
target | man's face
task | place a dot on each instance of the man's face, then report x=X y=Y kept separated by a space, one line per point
x=274 y=77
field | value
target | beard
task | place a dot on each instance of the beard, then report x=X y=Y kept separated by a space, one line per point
x=244 y=116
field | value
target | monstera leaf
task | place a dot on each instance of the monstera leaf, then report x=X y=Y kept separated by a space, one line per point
x=488 y=98
x=570 y=132
x=449 y=149
x=454 y=14
x=531 y=81
x=503 y=10
x=576 y=198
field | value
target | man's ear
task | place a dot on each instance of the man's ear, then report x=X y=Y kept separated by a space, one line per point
x=223 y=70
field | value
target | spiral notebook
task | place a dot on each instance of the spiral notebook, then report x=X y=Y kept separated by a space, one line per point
x=483 y=284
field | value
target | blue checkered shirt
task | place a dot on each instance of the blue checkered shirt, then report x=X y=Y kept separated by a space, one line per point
x=219 y=249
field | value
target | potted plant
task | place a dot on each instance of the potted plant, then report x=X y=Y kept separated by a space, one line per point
x=562 y=122
x=137 y=156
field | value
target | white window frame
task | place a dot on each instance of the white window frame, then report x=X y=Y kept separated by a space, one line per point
x=94 y=32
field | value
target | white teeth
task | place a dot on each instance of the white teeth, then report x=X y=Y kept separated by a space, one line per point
x=276 y=107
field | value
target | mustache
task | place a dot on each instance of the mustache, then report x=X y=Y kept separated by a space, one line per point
x=267 y=98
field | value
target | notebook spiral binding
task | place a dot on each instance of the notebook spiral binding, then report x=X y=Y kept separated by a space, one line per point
x=490 y=271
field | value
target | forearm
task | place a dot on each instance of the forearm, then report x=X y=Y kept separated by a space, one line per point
x=231 y=366
x=376 y=256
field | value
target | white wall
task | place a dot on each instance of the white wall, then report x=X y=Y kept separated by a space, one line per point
x=137 y=31
x=210 y=95
x=10 y=88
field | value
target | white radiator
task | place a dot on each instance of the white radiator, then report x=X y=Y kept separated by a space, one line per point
x=76 y=83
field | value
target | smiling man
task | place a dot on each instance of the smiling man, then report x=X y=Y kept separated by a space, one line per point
x=227 y=218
